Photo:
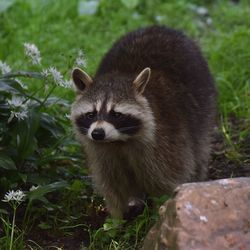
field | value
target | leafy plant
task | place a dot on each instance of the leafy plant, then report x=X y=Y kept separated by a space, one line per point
x=36 y=144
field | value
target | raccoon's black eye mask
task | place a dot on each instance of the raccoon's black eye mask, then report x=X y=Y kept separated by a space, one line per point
x=91 y=115
x=84 y=122
x=124 y=123
x=116 y=115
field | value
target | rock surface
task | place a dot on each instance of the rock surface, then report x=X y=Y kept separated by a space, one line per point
x=208 y=215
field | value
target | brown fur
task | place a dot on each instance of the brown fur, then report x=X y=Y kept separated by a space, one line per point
x=178 y=103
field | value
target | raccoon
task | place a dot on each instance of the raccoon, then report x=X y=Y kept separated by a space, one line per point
x=146 y=118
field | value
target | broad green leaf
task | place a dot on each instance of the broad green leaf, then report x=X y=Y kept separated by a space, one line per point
x=26 y=130
x=77 y=186
x=10 y=86
x=41 y=191
x=22 y=73
x=49 y=123
x=23 y=177
x=6 y=162
x=3 y=211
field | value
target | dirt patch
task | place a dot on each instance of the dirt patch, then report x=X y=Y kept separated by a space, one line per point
x=225 y=166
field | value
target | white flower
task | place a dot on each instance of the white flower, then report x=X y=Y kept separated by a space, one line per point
x=34 y=188
x=18 y=196
x=202 y=10
x=209 y=21
x=19 y=115
x=4 y=67
x=57 y=77
x=32 y=51
x=16 y=101
x=45 y=73
x=81 y=60
x=159 y=18
x=68 y=83
x=67 y=116
x=19 y=108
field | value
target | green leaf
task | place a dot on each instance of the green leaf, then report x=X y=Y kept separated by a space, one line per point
x=26 y=130
x=22 y=73
x=50 y=124
x=55 y=100
x=3 y=211
x=10 y=86
x=41 y=191
x=23 y=177
x=7 y=163
x=44 y=225
x=77 y=186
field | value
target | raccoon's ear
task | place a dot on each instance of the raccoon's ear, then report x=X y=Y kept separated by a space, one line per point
x=81 y=79
x=141 y=80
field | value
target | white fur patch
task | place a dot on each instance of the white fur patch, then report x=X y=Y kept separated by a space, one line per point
x=98 y=105
x=111 y=133
x=141 y=111
x=109 y=105
x=127 y=109
x=80 y=108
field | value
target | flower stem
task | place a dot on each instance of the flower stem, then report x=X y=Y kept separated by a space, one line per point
x=12 y=229
x=47 y=96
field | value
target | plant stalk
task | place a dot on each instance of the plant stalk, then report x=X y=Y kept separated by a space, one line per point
x=12 y=229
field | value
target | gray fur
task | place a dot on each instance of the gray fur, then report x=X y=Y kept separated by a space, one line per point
x=176 y=108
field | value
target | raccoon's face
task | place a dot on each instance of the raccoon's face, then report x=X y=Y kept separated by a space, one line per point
x=107 y=110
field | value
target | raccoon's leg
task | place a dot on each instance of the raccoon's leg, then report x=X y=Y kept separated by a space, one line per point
x=114 y=184
x=115 y=194
x=202 y=161
x=116 y=206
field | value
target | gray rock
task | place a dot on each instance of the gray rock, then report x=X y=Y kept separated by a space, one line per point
x=207 y=215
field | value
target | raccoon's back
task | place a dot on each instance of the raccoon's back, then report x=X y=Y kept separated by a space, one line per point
x=166 y=51
x=181 y=89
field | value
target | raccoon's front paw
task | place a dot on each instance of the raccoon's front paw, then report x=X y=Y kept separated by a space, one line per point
x=135 y=208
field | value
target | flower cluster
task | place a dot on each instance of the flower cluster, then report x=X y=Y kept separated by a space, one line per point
x=32 y=51
x=4 y=67
x=81 y=60
x=17 y=196
x=33 y=188
x=57 y=77
x=19 y=108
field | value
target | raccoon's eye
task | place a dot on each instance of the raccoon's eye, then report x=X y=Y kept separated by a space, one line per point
x=115 y=114
x=90 y=115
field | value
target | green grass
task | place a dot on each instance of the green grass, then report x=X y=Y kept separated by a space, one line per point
x=57 y=29
x=59 y=32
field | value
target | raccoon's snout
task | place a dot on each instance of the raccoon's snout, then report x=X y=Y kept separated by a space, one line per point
x=98 y=134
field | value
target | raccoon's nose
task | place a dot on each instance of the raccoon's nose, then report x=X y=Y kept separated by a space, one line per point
x=98 y=134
